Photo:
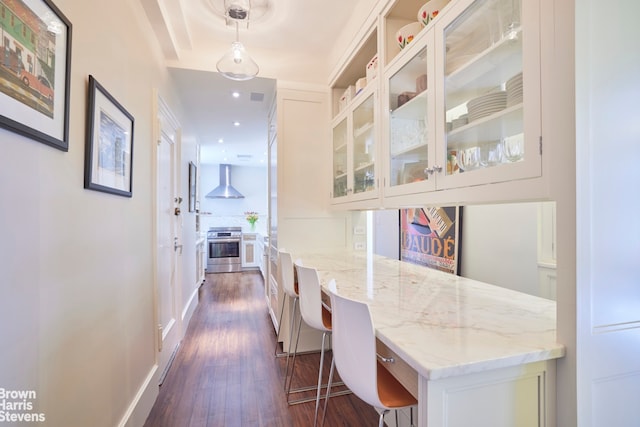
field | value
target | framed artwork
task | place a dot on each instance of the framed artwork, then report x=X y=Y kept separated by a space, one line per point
x=431 y=237
x=192 y=186
x=35 y=71
x=109 y=144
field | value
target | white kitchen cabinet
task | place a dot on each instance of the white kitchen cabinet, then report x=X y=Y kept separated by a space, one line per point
x=251 y=250
x=460 y=107
x=355 y=171
x=355 y=150
x=488 y=116
x=409 y=96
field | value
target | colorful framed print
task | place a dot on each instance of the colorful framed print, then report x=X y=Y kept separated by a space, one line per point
x=35 y=71
x=431 y=237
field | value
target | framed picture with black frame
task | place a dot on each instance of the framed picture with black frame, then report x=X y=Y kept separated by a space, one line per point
x=35 y=71
x=432 y=237
x=109 y=144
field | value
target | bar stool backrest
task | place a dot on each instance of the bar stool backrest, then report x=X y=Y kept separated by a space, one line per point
x=354 y=347
x=285 y=271
x=310 y=296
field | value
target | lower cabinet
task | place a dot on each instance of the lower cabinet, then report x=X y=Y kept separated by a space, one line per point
x=251 y=251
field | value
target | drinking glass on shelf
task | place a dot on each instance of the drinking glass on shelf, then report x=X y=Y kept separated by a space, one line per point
x=513 y=147
x=490 y=153
x=468 y=158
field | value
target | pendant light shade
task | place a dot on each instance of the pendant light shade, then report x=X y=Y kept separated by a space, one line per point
x=236 y=64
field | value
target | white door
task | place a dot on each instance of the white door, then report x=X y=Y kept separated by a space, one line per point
x=169 y=251
x=608 y=201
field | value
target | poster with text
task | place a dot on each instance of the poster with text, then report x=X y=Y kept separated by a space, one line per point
x=431 y=237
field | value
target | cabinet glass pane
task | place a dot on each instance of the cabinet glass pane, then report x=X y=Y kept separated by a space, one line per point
x=340 y=159
x=364 y=147
x=483 y=86
x=408 y=121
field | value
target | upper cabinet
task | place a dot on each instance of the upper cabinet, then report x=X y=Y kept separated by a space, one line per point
x=459 y=105
x=488 y=115
x=355 y=126
x=409 y=122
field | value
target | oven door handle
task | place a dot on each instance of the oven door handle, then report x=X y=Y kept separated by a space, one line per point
x=224 y=240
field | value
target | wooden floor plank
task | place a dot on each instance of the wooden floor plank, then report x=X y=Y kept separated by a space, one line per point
x=225 y=373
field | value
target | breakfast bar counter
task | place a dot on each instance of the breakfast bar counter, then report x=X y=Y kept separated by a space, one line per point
x=483 y=355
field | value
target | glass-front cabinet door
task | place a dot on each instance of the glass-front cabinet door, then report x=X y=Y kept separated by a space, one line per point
x=489 y=117
x=410 y=121
x=364 y=146
x=355 y=149
x=340 y=164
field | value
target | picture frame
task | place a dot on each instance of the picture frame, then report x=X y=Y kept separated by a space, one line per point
x=193 y=172
x=109 y=143
x=432 y=237
x=35 y=71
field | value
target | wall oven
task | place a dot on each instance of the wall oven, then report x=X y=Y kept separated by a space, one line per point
x=224 y=249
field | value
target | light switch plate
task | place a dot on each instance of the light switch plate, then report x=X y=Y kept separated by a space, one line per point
x=359 y=246
x=358 y=230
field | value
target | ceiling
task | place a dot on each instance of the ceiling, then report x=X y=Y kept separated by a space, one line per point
x=287 y=38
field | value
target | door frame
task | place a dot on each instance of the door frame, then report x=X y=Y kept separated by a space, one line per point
x=165 y=119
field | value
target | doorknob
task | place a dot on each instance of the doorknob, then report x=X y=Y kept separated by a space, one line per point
x=176 y=211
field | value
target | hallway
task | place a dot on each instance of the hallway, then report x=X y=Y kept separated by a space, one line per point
x=225 y=375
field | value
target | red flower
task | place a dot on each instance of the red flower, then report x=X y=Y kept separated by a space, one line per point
x=435 y=13
x=424 y=14
x=399 y=39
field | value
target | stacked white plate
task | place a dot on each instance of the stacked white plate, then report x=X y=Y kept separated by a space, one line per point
x=514 y=90
x=486 y=105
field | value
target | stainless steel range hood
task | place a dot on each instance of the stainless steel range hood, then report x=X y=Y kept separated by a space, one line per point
x=225 y=190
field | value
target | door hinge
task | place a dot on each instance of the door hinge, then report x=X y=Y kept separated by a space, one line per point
x=540 y=140
x=159 y=337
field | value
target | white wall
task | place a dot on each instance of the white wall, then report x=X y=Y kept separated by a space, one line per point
x=386 y=233
x=250 y=181
x=500 y=245
x=76 y=266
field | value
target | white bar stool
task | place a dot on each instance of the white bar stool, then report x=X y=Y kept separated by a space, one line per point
x=354 y=354
x=315 y=315
x=287 y=276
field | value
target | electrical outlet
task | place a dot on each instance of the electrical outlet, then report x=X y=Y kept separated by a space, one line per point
x=359 y=246
x=358 y=231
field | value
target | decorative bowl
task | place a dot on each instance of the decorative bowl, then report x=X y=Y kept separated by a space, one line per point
x=430 y=10
x=406 y=34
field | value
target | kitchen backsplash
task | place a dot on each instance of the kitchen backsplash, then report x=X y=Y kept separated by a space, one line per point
x=208 y=221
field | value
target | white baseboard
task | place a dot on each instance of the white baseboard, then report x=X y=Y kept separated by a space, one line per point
x=189 y=308
x=140 y=407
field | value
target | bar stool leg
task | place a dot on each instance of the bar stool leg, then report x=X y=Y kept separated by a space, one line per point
x=293 y=364
x=326 y=399
x=315 y=417
x=291 y=324
x=381 y=420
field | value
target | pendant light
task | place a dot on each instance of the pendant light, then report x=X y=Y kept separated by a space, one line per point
x=236 y=64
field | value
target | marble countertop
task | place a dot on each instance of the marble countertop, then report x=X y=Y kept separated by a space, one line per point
x=443 y=325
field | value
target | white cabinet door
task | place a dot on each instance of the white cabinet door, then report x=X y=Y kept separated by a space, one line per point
x=488 y=108
x=355 y=133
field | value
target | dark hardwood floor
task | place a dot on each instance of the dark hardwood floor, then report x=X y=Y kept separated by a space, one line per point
x=225 y=374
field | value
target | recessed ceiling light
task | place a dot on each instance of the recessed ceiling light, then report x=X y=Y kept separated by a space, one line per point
x=236 y=124
x=235 y=94
x=220 y=141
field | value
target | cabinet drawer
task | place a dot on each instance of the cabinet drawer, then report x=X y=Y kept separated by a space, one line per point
x=404 y=373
